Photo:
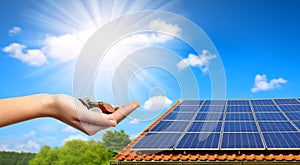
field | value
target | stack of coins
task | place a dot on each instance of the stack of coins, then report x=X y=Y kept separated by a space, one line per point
x=98 y=106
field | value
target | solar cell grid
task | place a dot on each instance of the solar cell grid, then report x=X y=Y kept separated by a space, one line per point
x=199 y=140
x=282 y=140
x=259 y=108
x=287 y=108
x=270 y=116
x=295 y=116
x=179 y=116
x=157 y=141
x=239 y=116
x=205 y=127
x=238 y=109
x=170 y=126
x=276 y=126
x=215 y=109
x=262 y=102
x=286 y=101
x=237 y=102
x=186 y=109
x=240 y=127
x=209 y=116
x=197 y=124
x=191 y=102
x=241 y=140
x=214 y=102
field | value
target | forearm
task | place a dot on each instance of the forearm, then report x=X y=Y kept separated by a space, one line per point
x=14 y=110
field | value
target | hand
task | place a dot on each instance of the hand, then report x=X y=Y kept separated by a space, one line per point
x=72 y=112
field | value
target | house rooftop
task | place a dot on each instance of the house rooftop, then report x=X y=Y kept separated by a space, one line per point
x=220 y=131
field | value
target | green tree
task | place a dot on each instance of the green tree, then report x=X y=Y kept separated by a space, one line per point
x=74 y=152
x=115 y=140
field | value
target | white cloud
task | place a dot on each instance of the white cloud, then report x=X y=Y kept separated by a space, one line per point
x=69 y=129
x=73 y=137
x=134 y=121
x=261 y=83
x=201 y=61
x=66 y=47
x=30 y=146
x=161 y=25
x=33 y=57
x=29 y=134
x=157 y=102
x=15 y=30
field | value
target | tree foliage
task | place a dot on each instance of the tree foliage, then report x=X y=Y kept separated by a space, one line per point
x=115 y=140
x=15 y=158
x=73 y=152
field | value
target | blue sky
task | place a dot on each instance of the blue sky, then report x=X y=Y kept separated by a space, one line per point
x=256 y=41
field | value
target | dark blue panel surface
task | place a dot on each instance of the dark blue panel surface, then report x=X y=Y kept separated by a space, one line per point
x=191 y=102
x=293 y=115
x=238 y=109
x=276 y=126
x=215 y=102
x=270 y=116
x=282 y=140
x=199 y=140
x=205 y=127
x=286 y=101
x=238 y=102
x=157 y=141
x=259 y=108
x=170 y=126
x=239 y=116
x=240 y=127
x=214 y=109
x=186 y=109
x=262 y=102
x=179 y=116
x=297 y=123
x=209 y=116
x=288 y=108
x=241 y=140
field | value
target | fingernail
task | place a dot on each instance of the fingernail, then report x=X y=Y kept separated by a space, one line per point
x=112 y=122
x=135 y=104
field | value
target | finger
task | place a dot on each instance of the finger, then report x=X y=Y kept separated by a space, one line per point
x=124 y=111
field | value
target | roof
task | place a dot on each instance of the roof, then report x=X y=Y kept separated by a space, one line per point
x=265 y=154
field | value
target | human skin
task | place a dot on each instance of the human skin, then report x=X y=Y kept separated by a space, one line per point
x=61 y=107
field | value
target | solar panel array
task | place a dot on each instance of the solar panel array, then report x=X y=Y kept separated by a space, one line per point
x=227 y=125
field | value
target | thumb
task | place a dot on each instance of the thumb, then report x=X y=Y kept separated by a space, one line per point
x=124 y=111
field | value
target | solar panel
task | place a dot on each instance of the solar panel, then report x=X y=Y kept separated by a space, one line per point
x=276 y=126
x=239 y=116
x=171 y=126
x=186 y=109
x=179 y=116
x=242 y=140
x=214 y=109
x=199 y=140
x=270 y=116
x=282 y=140
x=268 y=108
x=238 y=102
x=262 y=102
x=238 y=109
x=209 y=116
x=240 y=127
x=205 y=127
x=286 y=101
x=226 y=125
x=191 y=102
x=290 y=107
x=163 y=141
x=215 y=102
x=293 y=116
